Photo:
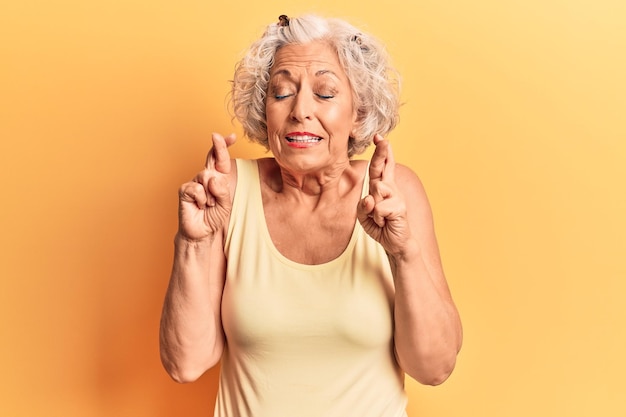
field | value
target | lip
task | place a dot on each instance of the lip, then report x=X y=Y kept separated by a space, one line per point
x=291 y=134
x=302 y=139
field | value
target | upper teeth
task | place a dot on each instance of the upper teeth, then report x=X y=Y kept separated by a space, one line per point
x=304 y=138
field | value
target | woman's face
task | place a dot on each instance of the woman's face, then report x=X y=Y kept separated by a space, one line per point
x=309 y=108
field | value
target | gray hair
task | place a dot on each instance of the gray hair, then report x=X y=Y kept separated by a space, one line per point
x=375 y=84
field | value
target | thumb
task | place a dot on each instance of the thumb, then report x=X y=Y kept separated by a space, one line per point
x=364 y=208
x=218 y=188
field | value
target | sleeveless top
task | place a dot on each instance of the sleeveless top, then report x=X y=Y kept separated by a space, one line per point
x=304 y=340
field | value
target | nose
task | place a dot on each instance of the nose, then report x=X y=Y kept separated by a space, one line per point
x=303 y=106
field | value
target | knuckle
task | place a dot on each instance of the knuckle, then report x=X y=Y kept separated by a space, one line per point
x=184 y=189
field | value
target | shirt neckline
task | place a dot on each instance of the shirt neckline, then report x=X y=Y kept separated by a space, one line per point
x=356 y=230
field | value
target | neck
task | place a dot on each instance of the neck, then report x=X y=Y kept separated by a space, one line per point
x=310 y=183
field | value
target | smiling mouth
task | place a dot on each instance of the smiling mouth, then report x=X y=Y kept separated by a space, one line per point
x=303 y=139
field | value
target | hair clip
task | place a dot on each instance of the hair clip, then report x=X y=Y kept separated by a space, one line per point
x=283 y=20
x=357 y=38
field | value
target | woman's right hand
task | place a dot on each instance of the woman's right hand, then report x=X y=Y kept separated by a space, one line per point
x=205 y=202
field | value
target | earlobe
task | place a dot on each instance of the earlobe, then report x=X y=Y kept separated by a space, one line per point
x=355 y=124
x=352 y=134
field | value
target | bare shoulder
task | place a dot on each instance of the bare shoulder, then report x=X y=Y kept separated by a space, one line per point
x=418 y=207
x=409 y=183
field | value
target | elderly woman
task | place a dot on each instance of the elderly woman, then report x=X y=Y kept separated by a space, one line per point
x=313 y=278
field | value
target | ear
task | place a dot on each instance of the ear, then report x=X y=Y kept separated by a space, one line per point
x=355 y=124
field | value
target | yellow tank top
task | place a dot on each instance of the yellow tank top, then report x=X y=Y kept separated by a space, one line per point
x=304 y=340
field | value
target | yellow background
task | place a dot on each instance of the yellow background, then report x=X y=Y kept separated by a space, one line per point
x=514 y=118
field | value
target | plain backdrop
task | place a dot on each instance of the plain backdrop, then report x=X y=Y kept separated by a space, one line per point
x=514 y=117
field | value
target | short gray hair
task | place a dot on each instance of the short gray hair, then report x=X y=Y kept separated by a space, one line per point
x=375 y=84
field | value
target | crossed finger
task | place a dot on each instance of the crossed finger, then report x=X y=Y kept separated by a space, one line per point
x=382 y=166
x=218 y=158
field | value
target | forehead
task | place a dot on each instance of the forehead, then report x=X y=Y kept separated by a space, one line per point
x=317 y=56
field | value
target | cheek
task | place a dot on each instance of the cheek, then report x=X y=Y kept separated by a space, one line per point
x=273 y=116
x=342 y=119
x=270 y=120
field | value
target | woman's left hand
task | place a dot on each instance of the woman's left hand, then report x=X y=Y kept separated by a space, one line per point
x=383 y=212
x=396 y=213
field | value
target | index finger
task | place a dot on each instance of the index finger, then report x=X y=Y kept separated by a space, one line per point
x=218 y=158
x=382 y=164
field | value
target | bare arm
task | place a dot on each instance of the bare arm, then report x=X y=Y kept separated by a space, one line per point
x=427 y=332
x=191 y=335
